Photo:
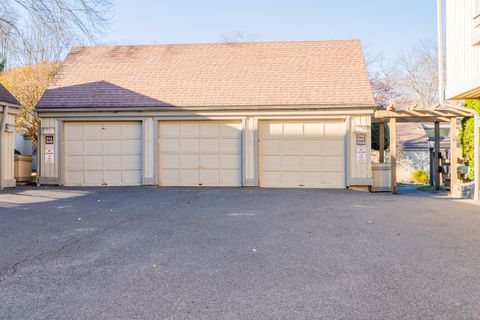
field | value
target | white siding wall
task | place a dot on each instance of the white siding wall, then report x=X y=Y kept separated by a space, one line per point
x=360 y=172
x=463 y=59
x=8 y=146
x=49 y=172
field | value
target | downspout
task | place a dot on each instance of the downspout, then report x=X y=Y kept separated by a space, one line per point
x=441 y=95
x=3 y=123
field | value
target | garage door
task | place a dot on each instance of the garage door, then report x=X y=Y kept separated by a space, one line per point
x=308 y=154
x=103 y=154
x=200 y=153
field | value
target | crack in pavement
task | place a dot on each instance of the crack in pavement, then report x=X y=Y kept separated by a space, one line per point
x=11 y=271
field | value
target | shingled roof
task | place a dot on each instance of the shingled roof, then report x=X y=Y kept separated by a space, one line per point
x=222 y=75
x=7 y=97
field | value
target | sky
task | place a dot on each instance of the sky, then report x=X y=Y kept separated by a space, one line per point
x=385 y=27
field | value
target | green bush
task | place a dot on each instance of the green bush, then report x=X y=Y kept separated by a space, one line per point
x=420 y=176
x=376 y=136
x=466 y=136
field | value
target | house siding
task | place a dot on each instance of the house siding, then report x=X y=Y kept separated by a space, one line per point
x=463 y=58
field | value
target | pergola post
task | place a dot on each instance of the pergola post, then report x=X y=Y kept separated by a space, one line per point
x=393 y=153
x=436 y=156
x=453 y=154
x=381 y=142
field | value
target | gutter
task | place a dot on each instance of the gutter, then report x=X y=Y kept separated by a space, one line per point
x=3 y=123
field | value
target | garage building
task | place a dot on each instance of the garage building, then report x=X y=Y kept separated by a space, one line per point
x=268 y=114
x=9 y=109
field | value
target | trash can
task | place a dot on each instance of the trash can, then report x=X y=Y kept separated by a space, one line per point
x=23 y=168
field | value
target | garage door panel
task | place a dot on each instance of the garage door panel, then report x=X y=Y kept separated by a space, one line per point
x=334 y=163
x=132 y=176
x=291 y=162
x=75 y=132
x=93 y=178
x=112 y=131
x=93 y=131
x=231 y=178
x=313 y=163
x=208 y=150
x=302 y=154
x=189 y=161
x=313 y=147
x=314 y=130
x=131 y=133
x=169 y=145
x=74 y=147
x=112 y=147
x=74 y=162
x=231 y=130
x=170 y=161
x=76 y=178
x=291 y=179
x=209 y=130
x=170 y=177
x=271 y=147
x=94 y=153
x=293 y=130
x=334 y=130
x=112 y=163
x=132 y=147
x=190 y=129
x=189 y=177
x=169 y=130
x=93 y=163
x=292 y=147
x=230 y=162
x=271 y=163
x=190 y=145
x=210 y=145
x=230 y=146
x=210 y=161
x=333 y=179
x=313 y=178
x=334 y=147
x=93 y=147
x=210 y=177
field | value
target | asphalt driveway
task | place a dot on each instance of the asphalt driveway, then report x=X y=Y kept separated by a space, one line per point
x=152 y=253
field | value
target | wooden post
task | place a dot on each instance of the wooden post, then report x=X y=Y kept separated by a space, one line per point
x=436 y=156
x=381 y=141
x=453 y=154
x=393 y=154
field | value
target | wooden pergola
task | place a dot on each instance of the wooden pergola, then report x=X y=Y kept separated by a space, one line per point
x=436 y=115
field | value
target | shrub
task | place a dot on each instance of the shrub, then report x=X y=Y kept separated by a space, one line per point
x=420 y=176
x=467 y=137
x=376 y=134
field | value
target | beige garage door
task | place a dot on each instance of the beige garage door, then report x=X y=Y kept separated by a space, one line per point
x=103 y=154
x=200 y=153
x=298 y=154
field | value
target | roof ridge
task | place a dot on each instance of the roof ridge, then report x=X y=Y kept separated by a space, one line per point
x=217 y=43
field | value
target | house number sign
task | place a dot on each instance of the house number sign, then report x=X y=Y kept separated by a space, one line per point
x=49 y=150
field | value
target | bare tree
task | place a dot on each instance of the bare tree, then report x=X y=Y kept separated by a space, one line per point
x=239 y=36
x=418 y=74
x=37 y=30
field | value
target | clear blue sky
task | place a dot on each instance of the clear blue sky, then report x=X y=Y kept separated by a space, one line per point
x=384 y=26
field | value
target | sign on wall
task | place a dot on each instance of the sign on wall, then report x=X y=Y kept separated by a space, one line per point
x=49 y=149
x=361 y=148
